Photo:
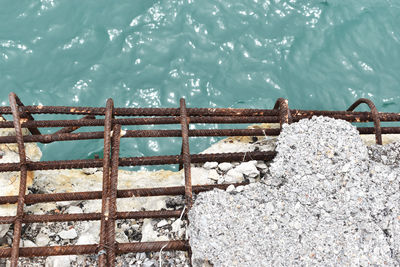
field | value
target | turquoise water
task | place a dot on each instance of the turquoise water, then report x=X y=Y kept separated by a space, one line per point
x=318 y=54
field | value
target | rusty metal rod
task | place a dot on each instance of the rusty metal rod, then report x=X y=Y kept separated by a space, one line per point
x=191 y=112
x=142 y=111
x=26 y=115
x=169 y=133
x=122 y=248
x=142 y=121
x=375 y=116
x=364 y=117
x=113 y=196
x=29 y=218
x=106 y=181
x=22 y=181
x=139 y=161
x=186 y=154
x=141 y=134
x=123 y=193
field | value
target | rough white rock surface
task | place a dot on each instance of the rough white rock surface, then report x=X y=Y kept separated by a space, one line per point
x=325 y=204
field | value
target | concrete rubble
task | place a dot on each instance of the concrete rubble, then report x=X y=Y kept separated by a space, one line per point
x=327 y=200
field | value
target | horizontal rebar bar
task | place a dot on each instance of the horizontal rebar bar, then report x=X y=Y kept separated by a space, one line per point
x=46 y=138
x=123 y=193
x=141 y=111
x=140 y=161
x=357 y=117
x=143 y=121
x=122 y=248
x=29 y=218
x=140 y=134
x=192 y=112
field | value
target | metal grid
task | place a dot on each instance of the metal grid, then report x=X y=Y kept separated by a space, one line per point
x=108 y=248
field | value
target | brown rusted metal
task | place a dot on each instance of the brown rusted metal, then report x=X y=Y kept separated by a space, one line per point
x=186 y=154
x=106 y=182
x=45 y=138
x=375 y=117
x=91 y=249
x=111 y=245
x=140 y=161
x=26 y=115
x=125 y=193
x=29 y=218
x=22 y=181
x=108 y=248
x=285 y=116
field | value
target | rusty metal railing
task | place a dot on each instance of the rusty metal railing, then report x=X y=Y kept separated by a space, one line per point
x=108 y=248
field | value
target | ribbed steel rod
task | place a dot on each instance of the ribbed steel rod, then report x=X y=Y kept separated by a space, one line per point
x=22 y=181
x=123 y=193
x=106 y=182
x=139 y=161
x=29 y=218
x=142 y=111
x=143 y=121
x=122 y=248
x=300 y=114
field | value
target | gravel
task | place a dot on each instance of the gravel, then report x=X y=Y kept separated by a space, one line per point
x=326 y=200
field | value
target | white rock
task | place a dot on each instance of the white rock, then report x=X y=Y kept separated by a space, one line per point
x=261 y=165
x=42 y=239
x=230 y=188
x=225 y=166
x=162 y=223
x=210 y=165
x=68 y=234
x=240 y=188
x=121 y=237
x=233 y=176
x=59 y=261
x=89 y=171
x=176 y=225
x=74 y=209
x=86 y=238
x=149 y=263
x=199 y=176
x=248 y=168
x=148 y=233
x=213 y=175
x=28 y=243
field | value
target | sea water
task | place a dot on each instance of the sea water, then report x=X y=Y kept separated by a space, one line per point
x=215 y=53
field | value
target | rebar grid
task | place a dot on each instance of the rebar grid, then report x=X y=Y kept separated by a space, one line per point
x=108 y=248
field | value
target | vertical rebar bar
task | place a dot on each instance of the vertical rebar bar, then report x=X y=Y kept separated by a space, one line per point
x=22 y=181
x=27 y=115
x=375 y=117
x=284 y=112
x=186 y=154
x=113 y=195
x=106 y=183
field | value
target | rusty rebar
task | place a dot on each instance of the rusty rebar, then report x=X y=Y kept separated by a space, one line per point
x=143 y=121
x=122 y=248
x=26 y=115
x=111 y=245
x=22 y=181
x=32 y=218
x=186 y=154
x=282 y=105
x=140 y=161
x=123 y=193
x=106 y=182
x=375 y=117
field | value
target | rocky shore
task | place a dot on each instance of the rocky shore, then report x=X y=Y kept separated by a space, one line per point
x=262 y=176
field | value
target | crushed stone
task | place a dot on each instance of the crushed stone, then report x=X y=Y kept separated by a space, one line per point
x=327 y=200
